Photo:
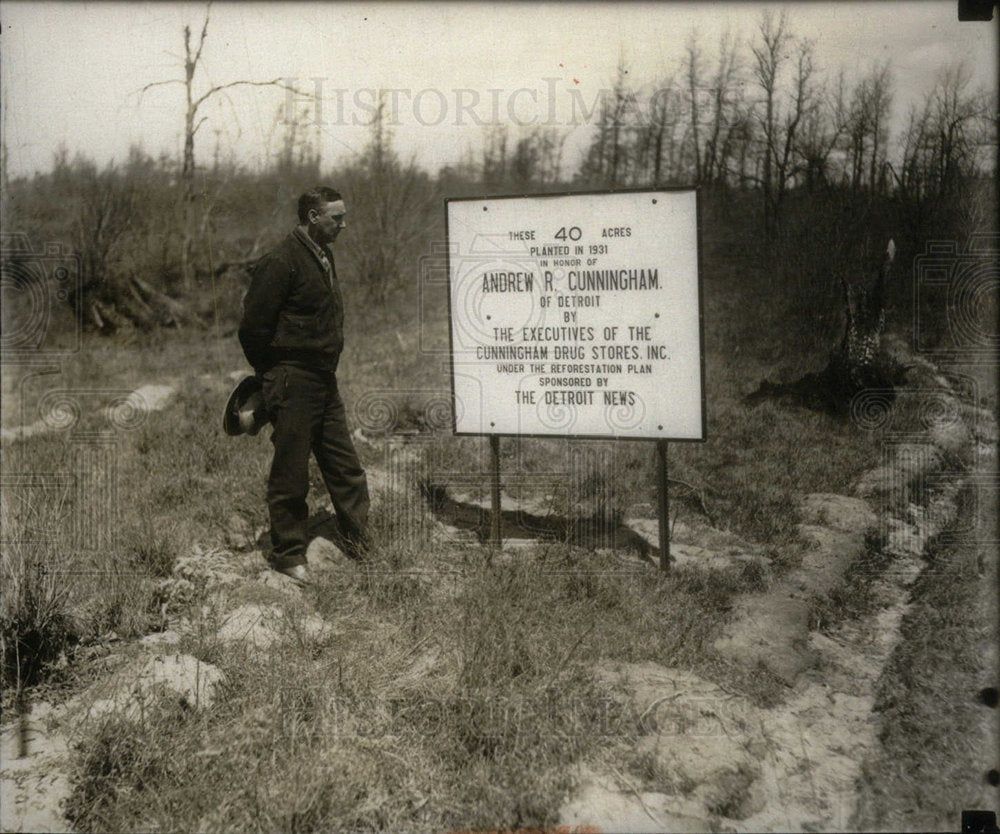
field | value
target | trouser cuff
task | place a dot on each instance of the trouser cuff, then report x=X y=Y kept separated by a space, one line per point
x=280 y=561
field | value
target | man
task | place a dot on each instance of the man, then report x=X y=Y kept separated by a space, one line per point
x=292 y=335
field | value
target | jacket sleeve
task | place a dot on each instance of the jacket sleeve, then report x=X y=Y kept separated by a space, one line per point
x=270 y=283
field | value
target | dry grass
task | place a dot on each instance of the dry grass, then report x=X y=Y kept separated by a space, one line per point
x=464 y=689
x=34 y=626
x=430 y=707
x=932 y=724
x=449 y=694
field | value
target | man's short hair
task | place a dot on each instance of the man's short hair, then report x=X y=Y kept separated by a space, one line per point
x=314 y=198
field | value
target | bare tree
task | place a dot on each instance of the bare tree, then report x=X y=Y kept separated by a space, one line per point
x=608 y=160
x=551 y=142
x=693 y=78
x=912 y=180
x=780 y=122
x=823 y=125
x=725 y=109
x=299 y=147
x=880 y=103
x=494 y=167
x=768 y=58
x=867 y=128
x=718 y=114
x=944 y=137
x=801 y=102
x=397 y=211
x=957 y=110
x=537 y=158
x=192 y=122
x=656 y=147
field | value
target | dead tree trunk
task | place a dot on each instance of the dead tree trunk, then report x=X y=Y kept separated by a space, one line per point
x=856 y=363
x=857 y=357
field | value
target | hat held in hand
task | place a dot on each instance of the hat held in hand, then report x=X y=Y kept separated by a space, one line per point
x=245 y=412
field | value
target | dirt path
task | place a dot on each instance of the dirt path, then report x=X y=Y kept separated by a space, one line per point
x=715 y=761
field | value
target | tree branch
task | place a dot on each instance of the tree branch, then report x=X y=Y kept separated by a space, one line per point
x=141 y=92
x=274 y=83
x=204 y=32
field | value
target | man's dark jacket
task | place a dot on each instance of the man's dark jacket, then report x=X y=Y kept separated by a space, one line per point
x=291 y=313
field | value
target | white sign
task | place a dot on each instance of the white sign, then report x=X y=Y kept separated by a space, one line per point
x=577 y=315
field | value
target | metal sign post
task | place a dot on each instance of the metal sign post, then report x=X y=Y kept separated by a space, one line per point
x=495 y=541
x=663 y=504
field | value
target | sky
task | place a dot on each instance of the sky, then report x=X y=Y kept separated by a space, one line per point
x=72 y=71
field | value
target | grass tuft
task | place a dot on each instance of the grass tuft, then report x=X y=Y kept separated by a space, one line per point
x=35 y=625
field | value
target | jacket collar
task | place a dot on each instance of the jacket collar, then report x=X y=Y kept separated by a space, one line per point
x=302 y=236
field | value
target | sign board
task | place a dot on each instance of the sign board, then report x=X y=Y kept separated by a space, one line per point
x=577 y=315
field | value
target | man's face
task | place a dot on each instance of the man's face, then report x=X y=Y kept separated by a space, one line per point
x=327 y=221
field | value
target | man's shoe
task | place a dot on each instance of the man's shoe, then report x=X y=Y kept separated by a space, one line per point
x=296 y=572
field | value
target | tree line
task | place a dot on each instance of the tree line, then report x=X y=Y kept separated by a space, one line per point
x=760 y=116
x=755 y=123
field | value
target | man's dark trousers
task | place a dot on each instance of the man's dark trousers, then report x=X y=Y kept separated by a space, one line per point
x=308 y=417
